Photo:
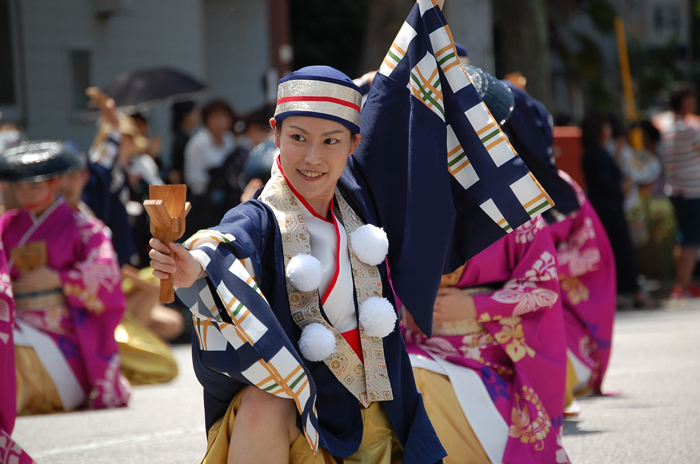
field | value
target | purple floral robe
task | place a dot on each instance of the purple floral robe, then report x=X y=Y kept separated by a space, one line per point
x=520 y=355
x=10 y=452
x=588 y=286
x=80 y=249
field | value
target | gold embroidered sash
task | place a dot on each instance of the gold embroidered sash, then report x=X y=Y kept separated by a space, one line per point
x=368 y=382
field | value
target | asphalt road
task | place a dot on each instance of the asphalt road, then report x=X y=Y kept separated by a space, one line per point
x=655 y=418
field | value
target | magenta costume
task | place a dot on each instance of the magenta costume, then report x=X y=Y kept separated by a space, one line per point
x=518 y=351
x=80 y=323
x=10 y=452
x=588 y=290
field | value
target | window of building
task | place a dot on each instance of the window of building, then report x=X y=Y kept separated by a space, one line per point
x=81 y=77
x=7 y=70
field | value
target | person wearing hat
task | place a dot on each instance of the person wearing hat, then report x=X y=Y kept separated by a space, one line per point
x=492 y=385
x=66 y=285
x=586 y=259
x=305 y=281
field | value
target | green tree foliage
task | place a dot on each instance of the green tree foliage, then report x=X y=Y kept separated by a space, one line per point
x=522 y=44
x=580 y=53
x=654 y=71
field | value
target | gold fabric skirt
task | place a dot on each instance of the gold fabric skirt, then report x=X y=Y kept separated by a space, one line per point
x=571 y=382
x=36 y=392
x=379 y=444
x=452 y=427
x=571 y=408
x=145 y=358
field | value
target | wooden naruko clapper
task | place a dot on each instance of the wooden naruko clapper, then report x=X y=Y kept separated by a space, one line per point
x=167 y=207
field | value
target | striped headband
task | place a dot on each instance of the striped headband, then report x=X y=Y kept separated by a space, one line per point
x=320 y=92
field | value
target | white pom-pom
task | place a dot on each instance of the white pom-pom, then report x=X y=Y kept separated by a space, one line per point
x=316 y=342
x=370 y=244
x=304 y=272
x=377 y=317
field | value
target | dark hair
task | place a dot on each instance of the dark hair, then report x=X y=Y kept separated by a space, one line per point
x=618 y=126
x=179 y=111
x=650 y=130
x=260 y=116
x=139 y=117
x=678 y=95
x=217 y=105
x=591 y=131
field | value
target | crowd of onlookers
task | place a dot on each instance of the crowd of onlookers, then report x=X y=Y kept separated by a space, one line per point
x=643 y=182
x=632 y=177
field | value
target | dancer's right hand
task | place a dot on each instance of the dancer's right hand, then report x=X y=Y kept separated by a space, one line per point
x=184 y=268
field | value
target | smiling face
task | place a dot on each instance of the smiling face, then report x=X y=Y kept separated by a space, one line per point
x=313 y=155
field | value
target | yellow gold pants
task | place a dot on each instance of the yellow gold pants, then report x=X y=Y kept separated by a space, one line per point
x=379 y=444
x=571 y=382
x=145 y=359
x=445 y=413
x=36 y=392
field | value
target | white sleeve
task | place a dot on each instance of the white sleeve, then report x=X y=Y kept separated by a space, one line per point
x=196 y=175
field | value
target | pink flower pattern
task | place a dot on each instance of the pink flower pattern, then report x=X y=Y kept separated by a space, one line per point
x=579 y=262
x=525 y=291
x=526 y=232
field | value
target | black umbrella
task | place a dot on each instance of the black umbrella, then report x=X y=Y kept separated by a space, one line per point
x=145 y=89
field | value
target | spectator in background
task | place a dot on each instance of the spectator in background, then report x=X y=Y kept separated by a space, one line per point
x=185 y=118
x=142 y=171
x=635 y=163
x=606 y=191
x=255 y=172
x=651 y=220
x=10 y=136
x=206 y=151
x=681 y=147
x=145 y=166
x=210 y=146
x=118 y=139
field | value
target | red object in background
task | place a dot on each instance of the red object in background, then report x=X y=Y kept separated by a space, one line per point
x=568 y=152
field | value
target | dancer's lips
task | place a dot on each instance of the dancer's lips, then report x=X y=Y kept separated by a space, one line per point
x=311 y=175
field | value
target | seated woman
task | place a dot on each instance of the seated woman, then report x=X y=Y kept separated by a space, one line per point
x=10 y=451
x=493 y=374
x=144 y=357
x=586 y=259
x=65 y=280
x=587 y=278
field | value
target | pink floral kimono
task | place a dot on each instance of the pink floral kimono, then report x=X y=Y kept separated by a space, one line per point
x=508 y=367
x=588 y=290
x=71 y=328
x=10 y=452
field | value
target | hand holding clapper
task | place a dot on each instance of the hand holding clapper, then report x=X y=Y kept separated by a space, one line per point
x=167 y=208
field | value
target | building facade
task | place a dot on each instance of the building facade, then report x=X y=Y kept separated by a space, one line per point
x=51 y=51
